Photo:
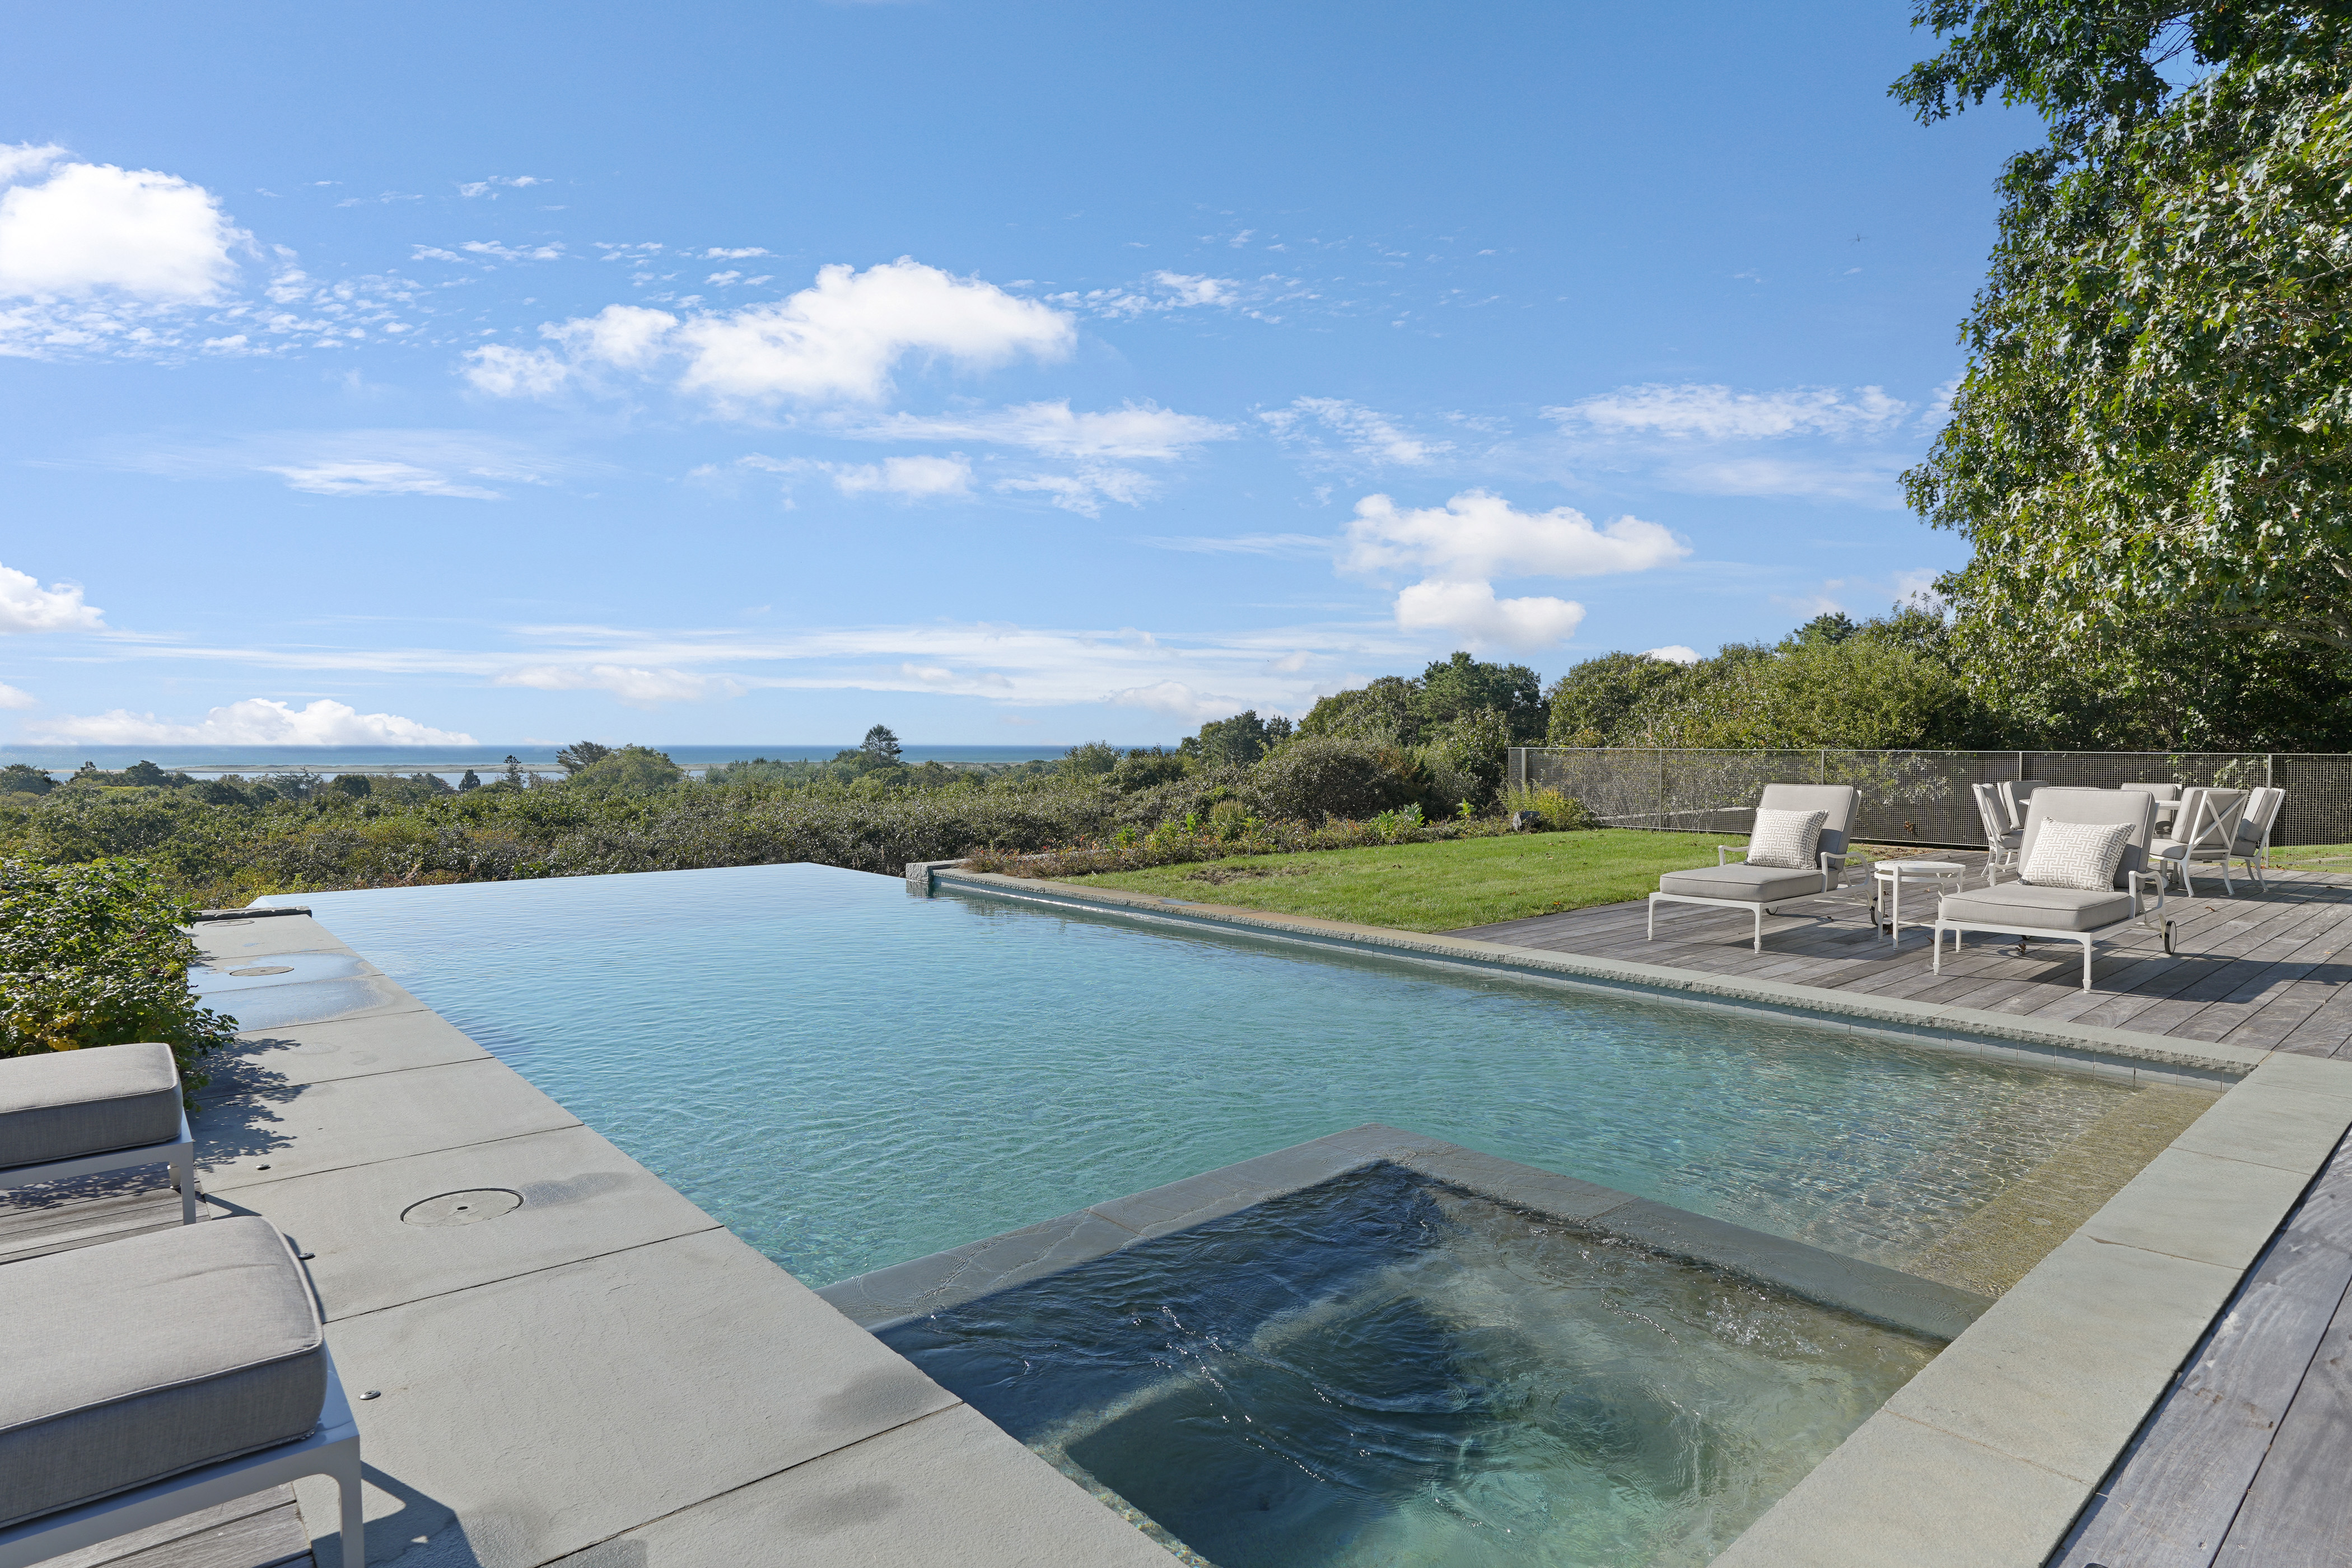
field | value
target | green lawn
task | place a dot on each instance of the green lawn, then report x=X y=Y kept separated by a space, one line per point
x=2334 y=857
x=1437 y=887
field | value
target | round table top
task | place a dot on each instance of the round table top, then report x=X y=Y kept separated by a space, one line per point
x=1921 y=867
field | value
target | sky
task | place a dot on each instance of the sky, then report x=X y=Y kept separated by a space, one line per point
x=1001 y=372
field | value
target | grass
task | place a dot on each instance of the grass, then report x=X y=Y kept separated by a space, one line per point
x=2316 y=856
x=1437 y=887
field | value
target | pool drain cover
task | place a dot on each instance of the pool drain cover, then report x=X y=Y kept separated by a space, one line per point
x=462 y=1208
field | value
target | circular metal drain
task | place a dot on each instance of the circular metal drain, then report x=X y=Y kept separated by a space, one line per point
x=266 y=969
x=462 y=1208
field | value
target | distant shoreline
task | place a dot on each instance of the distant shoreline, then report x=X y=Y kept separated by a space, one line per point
x=212 y=762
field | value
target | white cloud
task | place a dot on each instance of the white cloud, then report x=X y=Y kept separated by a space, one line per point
x=1673 y=653
x=1478 y=535
x=1718 y=413
x=1086 y=491
x=1362 y=432
x=1159 y=291
x=17 y=697
x=1873 y=482
x=94 y=229
x=256 y=722
x=837 y=340
x=1177 y=700
x=909 y=478
x=489 y=187
x=552 y=252
x=360 y=478
x=716 y=253
x=1136 y=430
x=26 y=606
x=1471 y=610
x=22 y=158
x=637 y=687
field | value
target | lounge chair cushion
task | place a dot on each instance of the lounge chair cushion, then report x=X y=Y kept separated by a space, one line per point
x=1741 y=883
x=1789 y=840
x=2035 y=908
x=139 y=1359
x=2174 y=849
x=2080 y=855
x=61 y=1104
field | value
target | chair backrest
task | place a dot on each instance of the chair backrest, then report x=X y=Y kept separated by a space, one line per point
x=1837 y=803
x=1989 y=812
x=2095 y=806
x=2262 y=815
x=2014 y=795
x=2209 y=819
x=2161 y=791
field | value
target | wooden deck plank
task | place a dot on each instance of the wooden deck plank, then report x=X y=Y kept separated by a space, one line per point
x=2298 y=1512
x=263 y=1530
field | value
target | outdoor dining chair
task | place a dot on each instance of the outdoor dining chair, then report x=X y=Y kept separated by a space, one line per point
x=2014 y=796
x=2254 y=844
x=2083 y=876
x=103 y=1108
x=1797 y=847
x=2001 y=839
x=2206 y=830
x=2168 y=800
x=175 y=1371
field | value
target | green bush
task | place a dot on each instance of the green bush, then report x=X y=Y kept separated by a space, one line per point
x=1319 y=776
x=94 y=955
x=632 y=769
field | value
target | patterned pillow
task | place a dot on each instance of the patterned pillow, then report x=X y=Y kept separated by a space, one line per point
x=1787 y=839
x=2080 y=855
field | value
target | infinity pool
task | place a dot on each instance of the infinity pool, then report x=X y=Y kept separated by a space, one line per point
x=849 y=1077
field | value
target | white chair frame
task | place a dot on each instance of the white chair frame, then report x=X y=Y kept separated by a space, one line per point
x=2138 y=919
x=1990 y=811
x=2206 y=823
x=2258 y=860
x=179 y=1153
x=1833 y=878
x=331 y=1449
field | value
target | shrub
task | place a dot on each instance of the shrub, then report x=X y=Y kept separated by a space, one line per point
x=1316 y=777
x=94 y=955
x=1559 y=812
x=632 y=769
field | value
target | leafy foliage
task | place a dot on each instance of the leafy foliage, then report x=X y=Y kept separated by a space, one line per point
x=582 y=754
x=1235 y=743
x=93 y=955
x=2151 y=451
x=630 y=771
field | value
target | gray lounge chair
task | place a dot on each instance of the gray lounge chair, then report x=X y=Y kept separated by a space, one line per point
x=2168 y=801
x=2206 y=831
x=2025 y=909
x=162 y=1375
x=1740 y=886
x=74 y=1113
x=2254 y=845
x=2015 y=795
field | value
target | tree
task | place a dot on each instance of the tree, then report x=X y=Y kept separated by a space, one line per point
x=354 y=785
x=1090 y=759
x=512 y=778
x=581 y=754
x=632 y=769
x=1236 y=742
x=23 y=778
x=1386 y=710
x=881 y=744
x=471 y=781
x=2151 y=449
x=1451 y=688
x=1602 y=701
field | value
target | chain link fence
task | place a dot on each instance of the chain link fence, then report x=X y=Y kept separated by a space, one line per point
x=1915 y=797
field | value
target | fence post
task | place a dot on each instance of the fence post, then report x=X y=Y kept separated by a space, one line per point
x=2020 y=764
x=2268 y=758
x=1823 y=775
x=1662 y=786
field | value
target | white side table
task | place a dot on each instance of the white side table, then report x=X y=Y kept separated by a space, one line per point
x=1887 y=876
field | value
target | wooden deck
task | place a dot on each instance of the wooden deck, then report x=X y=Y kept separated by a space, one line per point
x=2261 y=969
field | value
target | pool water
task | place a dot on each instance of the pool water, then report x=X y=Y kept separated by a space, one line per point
x=1386 y=1371
x=849 y=1077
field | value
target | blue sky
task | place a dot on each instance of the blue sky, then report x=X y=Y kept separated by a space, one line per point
x=1001 y=372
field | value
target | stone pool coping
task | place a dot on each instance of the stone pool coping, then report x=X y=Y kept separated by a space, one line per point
x=1991 y=1452
x=903 y=1292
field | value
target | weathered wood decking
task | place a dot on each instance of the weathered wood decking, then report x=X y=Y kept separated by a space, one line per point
x=2245 y=1464
x=2261 y=969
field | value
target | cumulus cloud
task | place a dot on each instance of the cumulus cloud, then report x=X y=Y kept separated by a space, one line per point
x=1673 y=653
x=17 y=697
x=26 y=606
x=20 y=159
x=1478 y=534
x=1471 y=610
x=360 y=478
x=1177 y=700
x=1135 y=430
x=1718 y=413
x=256 y=722
x=838 y=340
x=637 y=687
x=94 y=229
x=1360 y=432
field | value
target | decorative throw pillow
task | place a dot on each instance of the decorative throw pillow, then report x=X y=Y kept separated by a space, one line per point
x=1787 y=839
x=2081 y=854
